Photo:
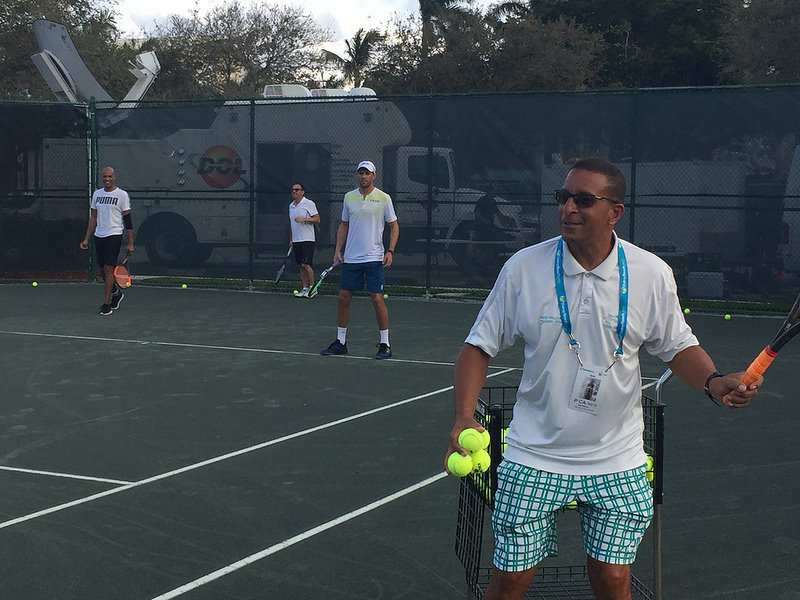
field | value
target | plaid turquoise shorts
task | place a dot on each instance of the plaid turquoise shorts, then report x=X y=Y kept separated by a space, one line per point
x=615 y=511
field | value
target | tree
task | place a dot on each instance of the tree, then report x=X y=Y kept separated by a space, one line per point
x=233 y=51
x=654 y=43
x=92 y=28
x=360 y=54
x=763 y=42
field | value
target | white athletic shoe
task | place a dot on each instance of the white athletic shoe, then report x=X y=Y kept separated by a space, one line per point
x=303 y=293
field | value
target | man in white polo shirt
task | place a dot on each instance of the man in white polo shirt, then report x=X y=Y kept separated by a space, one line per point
x=584 y=303
x=365 y=212
x=109 y=217
x=303 y=215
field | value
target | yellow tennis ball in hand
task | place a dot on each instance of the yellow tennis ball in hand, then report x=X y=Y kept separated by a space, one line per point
x=485 y=438
x=481 y=461
x=470 y=440
x=459 y=465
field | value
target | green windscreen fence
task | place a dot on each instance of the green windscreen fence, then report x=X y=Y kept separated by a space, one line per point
x=713 y=181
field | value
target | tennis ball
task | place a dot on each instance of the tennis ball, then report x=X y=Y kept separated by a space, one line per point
x=686 y=311
x=650 y=468
x=128 y=284
x=727 y=317
x=295 y=292
x=571 y=505
x=481 y=461
x=34 y=284
x=485 y=439
x=386 y=295
x=470 y=440
x=459 y=465
x=503 y=439
x=184 y=286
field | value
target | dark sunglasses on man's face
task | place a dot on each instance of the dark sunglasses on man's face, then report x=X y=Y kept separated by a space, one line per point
x=297 y=189
x=582 y=199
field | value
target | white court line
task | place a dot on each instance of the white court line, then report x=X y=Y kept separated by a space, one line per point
x=239 y=564
x=66 y=475
x=230 y=348
x=227 y=456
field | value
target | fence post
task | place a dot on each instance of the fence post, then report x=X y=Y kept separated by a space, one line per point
x=429 y=202
x=252 y=167
x=91 y=133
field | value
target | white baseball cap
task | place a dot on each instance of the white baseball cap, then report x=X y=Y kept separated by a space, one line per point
x=368 y=165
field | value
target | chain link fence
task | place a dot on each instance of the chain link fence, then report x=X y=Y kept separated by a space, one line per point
x=713 y=181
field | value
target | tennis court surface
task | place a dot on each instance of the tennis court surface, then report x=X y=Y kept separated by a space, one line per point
x=195 y=445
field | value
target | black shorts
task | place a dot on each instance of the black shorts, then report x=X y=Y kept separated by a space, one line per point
x=304 y=253
x=107 y=249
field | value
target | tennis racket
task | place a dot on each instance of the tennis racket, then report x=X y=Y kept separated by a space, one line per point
x=279 y=274
x=790 y=328
x=122 y=274
x=315 y=290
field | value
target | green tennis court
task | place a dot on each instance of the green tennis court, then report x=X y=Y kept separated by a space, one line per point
x=196 y=445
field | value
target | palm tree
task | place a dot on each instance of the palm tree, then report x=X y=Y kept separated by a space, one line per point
x=428 y=11
x=359 y=55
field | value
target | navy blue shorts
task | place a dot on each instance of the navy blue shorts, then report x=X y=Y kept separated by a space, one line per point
x=107 y=249
x=304 y=253
x=355 y=275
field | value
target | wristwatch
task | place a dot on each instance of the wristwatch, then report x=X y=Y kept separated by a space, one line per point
x=714 y=375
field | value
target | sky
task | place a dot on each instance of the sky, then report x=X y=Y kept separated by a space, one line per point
x=342 y=17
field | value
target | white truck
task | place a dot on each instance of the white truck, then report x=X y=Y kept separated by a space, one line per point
x=198 y=188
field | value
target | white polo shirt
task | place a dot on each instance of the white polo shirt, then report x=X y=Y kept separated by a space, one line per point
x=366 y=216
x=546 y=432
x=110 y=206
x=302 y=232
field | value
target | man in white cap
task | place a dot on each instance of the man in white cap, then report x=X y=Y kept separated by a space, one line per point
x=365 y=212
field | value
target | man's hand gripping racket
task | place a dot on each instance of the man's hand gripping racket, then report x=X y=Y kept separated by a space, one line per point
x=790 y=328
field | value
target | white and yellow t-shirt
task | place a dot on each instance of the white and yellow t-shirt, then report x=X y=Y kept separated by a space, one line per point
x=367 y=216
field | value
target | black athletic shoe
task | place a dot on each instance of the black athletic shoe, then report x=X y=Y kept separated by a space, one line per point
x=335 y=348
x=106 y=309
x=116 y=299
x=384 y=351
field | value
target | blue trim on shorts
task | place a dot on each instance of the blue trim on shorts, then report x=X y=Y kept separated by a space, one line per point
x=354 y=276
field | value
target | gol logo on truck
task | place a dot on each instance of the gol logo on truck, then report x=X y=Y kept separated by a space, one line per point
x=220 y=166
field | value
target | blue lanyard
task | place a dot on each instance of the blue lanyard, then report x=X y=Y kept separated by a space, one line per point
x=563 y=309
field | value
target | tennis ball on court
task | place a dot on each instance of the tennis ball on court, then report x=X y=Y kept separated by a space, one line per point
x=459 y=465
x=727 y=317
x=184 y=286
x=481 y=460
x=386 y=295
x=650 y=468
x=295 y=292
x=686 y=311
x=34 y=284
x=470 y=440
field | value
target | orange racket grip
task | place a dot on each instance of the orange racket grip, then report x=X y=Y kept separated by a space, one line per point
x=758 y=366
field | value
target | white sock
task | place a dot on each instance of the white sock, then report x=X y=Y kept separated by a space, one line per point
x=384 y=336
x=342 y=335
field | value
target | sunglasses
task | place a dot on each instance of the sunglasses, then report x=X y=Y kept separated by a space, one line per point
x=582 y=199
x=297 y=189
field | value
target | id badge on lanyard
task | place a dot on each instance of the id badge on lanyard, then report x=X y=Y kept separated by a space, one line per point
x=587 y=391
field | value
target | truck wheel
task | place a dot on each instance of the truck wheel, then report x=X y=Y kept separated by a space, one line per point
x=171 y=242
